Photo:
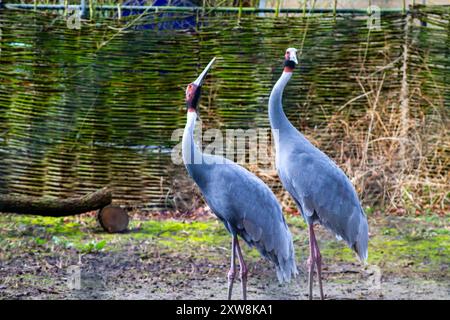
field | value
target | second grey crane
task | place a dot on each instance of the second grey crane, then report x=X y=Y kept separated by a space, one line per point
x=323 y=193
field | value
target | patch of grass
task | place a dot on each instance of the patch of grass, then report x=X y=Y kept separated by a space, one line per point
x=296 y=222
x=423 y=254
x=398 y=245
x=179 y=235
x=93 y=246
x=41 y=241
x=398 y=253
x=387 y=231
x=337 y=251
x=369 y=210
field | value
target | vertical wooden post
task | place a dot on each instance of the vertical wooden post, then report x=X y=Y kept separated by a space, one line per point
x=404 y=96
x=66 y=4
x=277 y=9
x=334 y=8
x=240 y=10
x=91 y=9
x=119 y=10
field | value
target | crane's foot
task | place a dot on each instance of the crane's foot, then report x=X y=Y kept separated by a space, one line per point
x=319 y=272
x=243 y=272
x=231 y=276
x=232 y=272
x=310 y=263
x=243 y=275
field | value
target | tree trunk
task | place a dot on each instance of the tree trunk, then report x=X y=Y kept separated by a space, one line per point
x=52 y=207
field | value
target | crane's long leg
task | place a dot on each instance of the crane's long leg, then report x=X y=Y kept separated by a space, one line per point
x=311 y=261
x=314 y=259
x=232 y=271
x=318 y=258
x=319 y=272
x=243 y=271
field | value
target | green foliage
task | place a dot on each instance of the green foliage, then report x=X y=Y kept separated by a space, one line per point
x=92 y=246
x=420 y=244
x=98 y=119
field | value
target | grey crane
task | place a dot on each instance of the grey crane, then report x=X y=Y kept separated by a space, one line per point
x=321 y=190
x=245 y=205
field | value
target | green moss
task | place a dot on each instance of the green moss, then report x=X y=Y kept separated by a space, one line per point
x=389 y=231
x=337 y=251
x=417 y=245
x=343 y=281
x=296 y=222
x=369 y=210
x=32 y=280
x=395 y=253
x=173 y=233
x=432 y=250
x=55 y=226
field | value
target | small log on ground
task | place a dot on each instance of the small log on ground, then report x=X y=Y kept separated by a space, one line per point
x=113 y=219
x=52 y=207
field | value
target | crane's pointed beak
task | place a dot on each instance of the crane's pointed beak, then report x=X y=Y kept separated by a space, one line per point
x=199 y=81
x=293 y=55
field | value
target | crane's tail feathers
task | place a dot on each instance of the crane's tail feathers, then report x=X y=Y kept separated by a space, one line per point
x=287 y=267
x=362 y=241
x=286 y=270
x=278 y=248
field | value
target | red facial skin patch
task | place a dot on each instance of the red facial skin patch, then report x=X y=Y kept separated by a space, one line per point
x=190 y=92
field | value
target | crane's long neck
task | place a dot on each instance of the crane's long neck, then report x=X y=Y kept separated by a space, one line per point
x=284 y=133
x=190 y=151
x=278 y=119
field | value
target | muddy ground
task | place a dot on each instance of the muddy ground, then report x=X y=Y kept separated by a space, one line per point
x=175 y=259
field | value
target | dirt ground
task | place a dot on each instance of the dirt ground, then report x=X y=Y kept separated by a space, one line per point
x=189 y=260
